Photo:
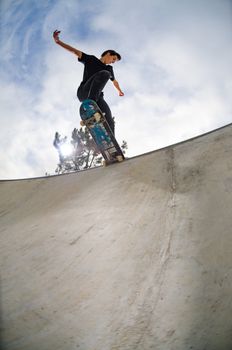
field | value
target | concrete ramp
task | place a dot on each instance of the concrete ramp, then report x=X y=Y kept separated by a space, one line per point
x=134 y=256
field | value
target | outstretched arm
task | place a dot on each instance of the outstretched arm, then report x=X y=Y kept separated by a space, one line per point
x=116 y=84
x=65 y=46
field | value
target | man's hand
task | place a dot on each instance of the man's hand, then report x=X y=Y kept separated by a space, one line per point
x=116 y=84
x=56 y=35
x=66 y=46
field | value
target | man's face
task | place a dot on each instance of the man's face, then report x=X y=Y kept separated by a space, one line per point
x=109 y=59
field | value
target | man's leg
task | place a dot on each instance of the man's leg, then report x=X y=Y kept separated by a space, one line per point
x=94 y=86
x=106 y=109
x=92 y=89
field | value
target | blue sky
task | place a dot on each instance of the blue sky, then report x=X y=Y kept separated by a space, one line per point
x=175 y=73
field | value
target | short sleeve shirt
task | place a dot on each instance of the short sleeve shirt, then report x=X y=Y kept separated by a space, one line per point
x=93 y=65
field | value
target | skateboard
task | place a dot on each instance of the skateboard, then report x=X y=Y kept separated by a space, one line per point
x=93 y=118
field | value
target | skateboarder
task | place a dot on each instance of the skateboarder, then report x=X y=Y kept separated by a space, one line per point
x=97 y=72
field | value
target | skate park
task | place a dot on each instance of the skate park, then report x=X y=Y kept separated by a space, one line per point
x=133 y=256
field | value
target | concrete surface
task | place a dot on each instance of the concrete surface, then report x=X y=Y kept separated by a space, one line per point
x=136 y=255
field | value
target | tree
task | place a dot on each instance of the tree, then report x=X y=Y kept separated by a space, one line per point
x=79 y=153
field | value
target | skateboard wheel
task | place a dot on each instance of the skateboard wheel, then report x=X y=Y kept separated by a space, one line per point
x=97 y=117
x=119 y=158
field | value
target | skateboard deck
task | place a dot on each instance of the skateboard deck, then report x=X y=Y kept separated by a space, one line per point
x=93 y=118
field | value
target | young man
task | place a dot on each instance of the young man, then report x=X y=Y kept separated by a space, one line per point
x=97 y=72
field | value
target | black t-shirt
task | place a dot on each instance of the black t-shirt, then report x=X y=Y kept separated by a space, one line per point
x=93 y=65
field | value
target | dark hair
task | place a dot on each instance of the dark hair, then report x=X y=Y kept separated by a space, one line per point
x=112 y=53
